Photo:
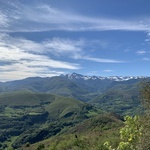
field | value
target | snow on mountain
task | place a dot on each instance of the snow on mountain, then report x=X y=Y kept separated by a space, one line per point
x=75 y=76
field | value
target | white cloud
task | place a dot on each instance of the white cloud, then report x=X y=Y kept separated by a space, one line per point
x=107 y=70
x=3 y=20
x=23 y=58
x=43 y=17
x=59 y=46
x=50 y=63
x=101 y=60
x=141 y=52
x=55 y=46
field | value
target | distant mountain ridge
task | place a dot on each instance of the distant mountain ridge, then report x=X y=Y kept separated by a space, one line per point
x=73 y=85
x=112 y=78
x=76 y=76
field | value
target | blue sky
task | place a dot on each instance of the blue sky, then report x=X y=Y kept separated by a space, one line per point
x=52 y=37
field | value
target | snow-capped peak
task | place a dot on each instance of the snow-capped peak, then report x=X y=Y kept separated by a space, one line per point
x=75 y=76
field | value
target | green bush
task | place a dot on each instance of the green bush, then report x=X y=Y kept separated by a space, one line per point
x=130 y=135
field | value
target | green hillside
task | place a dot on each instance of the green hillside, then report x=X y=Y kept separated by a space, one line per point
x=24 y=98
x=123 y=102
x=121 y=98
x=31 y=117
x=87 y=135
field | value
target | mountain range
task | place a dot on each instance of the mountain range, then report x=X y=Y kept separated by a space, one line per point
x=116 y=94
x=64 y=84
x=52 y=105
x=84 y=88
x=75 y=76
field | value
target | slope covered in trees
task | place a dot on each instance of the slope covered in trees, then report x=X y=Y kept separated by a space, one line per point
x=30 y=117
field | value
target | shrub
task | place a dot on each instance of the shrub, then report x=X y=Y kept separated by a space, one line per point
x=130 y=135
